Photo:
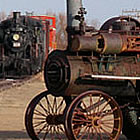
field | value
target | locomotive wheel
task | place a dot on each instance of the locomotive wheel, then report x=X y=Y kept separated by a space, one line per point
x=93 y=115
x=44 y=117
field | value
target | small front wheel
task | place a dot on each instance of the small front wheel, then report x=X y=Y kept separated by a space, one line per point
x=44 y=117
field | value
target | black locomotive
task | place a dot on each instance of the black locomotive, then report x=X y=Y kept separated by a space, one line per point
x=22 y=49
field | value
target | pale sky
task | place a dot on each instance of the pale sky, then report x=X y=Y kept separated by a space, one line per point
x=97 y=9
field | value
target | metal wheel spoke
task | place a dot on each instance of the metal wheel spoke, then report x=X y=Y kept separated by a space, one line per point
x=76 y=132
x=89 y=133
x=83 y=133
x=108 y=126
x=108 y=134
x=47 y=131
x=45 y=125
x=49 y=105
x=78 y=111
x=105 y=106
x=60 y=127
x=91 y=102
x=58 y=133
x=52 y=135
x=82 y=121
x=81 y=117
x=98 y=103
x=40 y=104
x=38 y=123
x=109 y=113
x=76 y=129
x=54 y=106
x=39 y=113
x=111 y=123
x=37 y=118
x=76 y=117
x=55 y=132
x=79 y=123
x=59 y=108
x=84 y=105
x=108 y=120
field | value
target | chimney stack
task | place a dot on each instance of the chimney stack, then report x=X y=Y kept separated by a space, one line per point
x=16 y=15
x=73 y=7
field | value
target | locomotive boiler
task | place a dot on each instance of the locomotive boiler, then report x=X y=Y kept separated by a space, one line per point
x=22 y=48
x=94 y=83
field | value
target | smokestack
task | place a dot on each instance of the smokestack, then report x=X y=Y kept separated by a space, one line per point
x=73 y=6
x=16 y=15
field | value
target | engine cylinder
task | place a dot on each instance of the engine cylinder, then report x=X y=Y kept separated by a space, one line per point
x=110 y=43
x=103 y=43
x=84 y=43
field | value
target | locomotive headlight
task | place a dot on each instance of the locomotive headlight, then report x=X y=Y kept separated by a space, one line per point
x=15 y=37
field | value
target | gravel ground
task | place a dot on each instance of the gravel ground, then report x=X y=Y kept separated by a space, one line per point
x=13 y=103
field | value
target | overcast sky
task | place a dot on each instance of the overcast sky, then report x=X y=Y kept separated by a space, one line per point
x=97 y=9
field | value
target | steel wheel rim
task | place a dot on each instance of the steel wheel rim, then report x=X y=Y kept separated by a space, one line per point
x=40 y=118
x=93 y=123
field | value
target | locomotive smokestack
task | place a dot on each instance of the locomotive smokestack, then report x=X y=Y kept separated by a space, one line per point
x=16 y=15
x=73 y=7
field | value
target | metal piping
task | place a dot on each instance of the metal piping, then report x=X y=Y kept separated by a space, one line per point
x=115 y=77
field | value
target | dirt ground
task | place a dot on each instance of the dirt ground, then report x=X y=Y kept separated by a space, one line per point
x=13 y=103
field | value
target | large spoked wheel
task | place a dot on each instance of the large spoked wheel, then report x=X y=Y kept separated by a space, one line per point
x=93 y=115
x=44 y=117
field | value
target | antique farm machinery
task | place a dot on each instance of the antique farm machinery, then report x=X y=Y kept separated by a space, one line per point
x=93 y=86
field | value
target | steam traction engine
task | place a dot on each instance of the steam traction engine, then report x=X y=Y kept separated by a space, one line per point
x=93 y=86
